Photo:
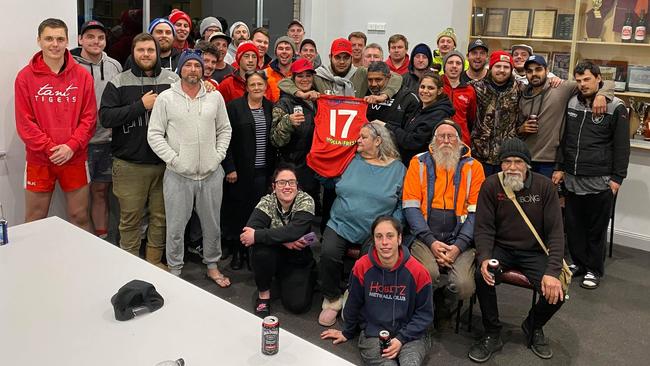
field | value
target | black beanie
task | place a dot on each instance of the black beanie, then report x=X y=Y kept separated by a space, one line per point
x=515 y=147
x=135 y=294
x=450 y=123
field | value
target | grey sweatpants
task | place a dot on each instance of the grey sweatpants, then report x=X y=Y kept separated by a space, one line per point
x=181 y=196
x=411 y=354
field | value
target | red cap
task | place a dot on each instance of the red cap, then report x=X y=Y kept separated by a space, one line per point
x=300 y=65
x=500 y=56
x=341 y=45
x=244 y=47
x=179 y=14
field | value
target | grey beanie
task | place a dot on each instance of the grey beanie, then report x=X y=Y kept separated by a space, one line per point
x=209 y=22
x=284 y=39
x=237 y=25
x=515 y=147
x=453 y=53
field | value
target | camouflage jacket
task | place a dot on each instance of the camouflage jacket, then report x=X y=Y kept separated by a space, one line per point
x=497 y=119
x=270 y=207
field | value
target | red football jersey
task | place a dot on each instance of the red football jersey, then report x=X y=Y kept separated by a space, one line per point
x=337 y=125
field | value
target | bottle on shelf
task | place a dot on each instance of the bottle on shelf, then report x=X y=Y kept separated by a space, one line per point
x=640 y=29
x=626 y=32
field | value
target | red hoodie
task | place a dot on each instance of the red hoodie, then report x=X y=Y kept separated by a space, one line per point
x=53 y=109
x=463 y=97
x=402 y=69
x=233 y=87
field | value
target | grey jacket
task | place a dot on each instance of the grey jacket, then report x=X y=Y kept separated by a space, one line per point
x=190 y=135
x=102 y=73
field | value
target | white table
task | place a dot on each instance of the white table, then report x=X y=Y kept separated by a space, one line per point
x=56 y=282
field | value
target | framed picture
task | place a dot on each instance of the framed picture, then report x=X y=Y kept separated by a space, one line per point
x=543 y=23
x=613 y=70
x=519 y=22
x=496 y=21
x=564 y=26
x=638 y=79
x=477 y=21
x=560 y=62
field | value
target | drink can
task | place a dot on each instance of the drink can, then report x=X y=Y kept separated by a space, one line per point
x=4 y=239
x=533 y=117
x=495 y=269
x=270 y=335
x=297 y=110
x=384 y=340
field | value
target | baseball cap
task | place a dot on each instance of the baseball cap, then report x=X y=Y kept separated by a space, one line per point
x=300 y=65
x=295 y=22
x=535 y=59
x=135 y=294
x=476 y=44
x=341 y=45
x=526 y=47
x=221 y=35
x=92 y=24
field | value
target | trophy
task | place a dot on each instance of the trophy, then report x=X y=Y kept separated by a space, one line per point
x=641 y=109
x=596 y=18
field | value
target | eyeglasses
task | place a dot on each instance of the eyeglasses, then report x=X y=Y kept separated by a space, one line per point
x=373 y=128
x=283 y=183
x=444 y=137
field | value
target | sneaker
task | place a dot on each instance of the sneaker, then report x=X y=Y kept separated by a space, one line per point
x=196 y=250
x=539 y=343
x=590 y=281
x=482 y=350
x=262 y=307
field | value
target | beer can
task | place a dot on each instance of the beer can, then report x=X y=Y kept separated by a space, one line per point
x=270 y=335
x=384 y=340
x=494 y=269
x=533 y=117
x=4 y=239
x=297 y=110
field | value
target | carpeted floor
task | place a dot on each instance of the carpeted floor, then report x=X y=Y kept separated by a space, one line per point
x=607 y=326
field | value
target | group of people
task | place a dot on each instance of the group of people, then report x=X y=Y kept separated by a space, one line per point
x=453 y=160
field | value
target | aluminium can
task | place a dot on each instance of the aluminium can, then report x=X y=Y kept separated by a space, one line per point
x=270 y=335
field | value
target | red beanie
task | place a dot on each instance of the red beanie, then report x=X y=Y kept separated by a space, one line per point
x=244 y=47
x=501 y=56
x=176 y=15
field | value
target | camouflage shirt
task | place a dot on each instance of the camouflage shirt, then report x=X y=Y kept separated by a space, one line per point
x=270 y=206
x=497 y=118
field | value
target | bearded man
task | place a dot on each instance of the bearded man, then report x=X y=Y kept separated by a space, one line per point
x=501 y=233
x=440 y=210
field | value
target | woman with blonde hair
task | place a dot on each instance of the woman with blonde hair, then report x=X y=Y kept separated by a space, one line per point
x=370 y=186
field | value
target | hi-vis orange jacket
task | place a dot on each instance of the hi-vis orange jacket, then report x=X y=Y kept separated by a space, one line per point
x=427 y=187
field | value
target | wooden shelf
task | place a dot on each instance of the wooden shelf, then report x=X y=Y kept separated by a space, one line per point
x=633 y=94
x=621 y=44
x=567 y=41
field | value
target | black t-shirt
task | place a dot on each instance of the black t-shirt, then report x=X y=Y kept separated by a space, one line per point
x=219 y=75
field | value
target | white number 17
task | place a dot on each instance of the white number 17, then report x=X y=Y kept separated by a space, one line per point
x=334 y=113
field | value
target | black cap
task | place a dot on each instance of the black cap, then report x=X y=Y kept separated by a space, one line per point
x=307 y=41
x=535 y=59
x=135 y=294
x=476 y=44
x=450 y=123
x=92 y=24
x=515 y=147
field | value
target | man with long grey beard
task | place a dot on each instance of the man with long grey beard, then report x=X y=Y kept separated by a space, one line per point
x=440 y=212
x=501 y=233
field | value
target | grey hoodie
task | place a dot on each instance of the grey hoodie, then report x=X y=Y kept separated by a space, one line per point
x=102 y=73
x=190 y=135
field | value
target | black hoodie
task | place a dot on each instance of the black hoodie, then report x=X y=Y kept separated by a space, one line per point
x=410 y=80
x=416 y=134
x=122 y=110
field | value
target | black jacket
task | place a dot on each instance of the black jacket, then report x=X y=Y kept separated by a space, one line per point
x=414 y=137
x=596 y=146
x=294 y=143
x=410 y=80
x=396 y=110
x=122 y=110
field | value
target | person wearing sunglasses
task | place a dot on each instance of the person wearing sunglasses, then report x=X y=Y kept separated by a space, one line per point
x=278 y=233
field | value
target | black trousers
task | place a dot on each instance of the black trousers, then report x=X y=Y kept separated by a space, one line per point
x=294 y=269
x=331 y=263
x=532 y=265
x=586 y=218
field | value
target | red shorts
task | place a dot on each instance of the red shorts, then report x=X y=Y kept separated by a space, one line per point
x=41 y=178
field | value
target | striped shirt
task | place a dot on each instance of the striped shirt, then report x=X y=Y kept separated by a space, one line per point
x=261 y=136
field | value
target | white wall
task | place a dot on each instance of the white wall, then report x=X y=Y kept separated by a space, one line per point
x=419 y=20
x=17 y=48
x=632 y=220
